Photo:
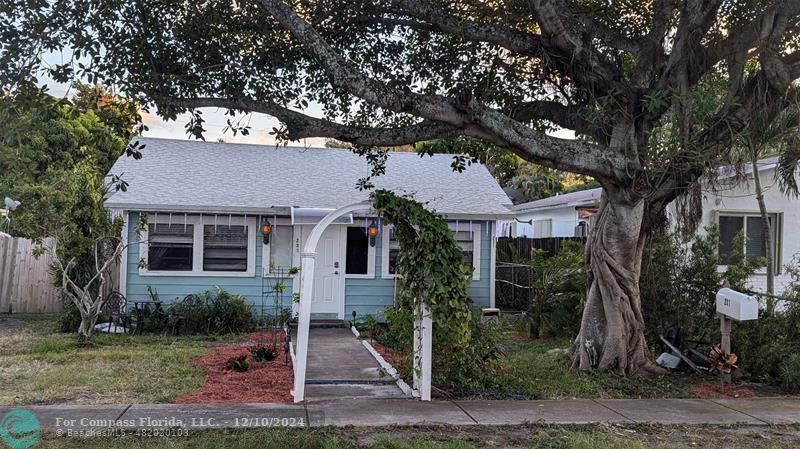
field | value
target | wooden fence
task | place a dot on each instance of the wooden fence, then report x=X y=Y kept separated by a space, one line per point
x=26 y=285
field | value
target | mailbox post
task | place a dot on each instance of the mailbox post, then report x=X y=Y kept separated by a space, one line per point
x=733 y=306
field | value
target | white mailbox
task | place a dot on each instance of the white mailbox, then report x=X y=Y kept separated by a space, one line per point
x=736 y=306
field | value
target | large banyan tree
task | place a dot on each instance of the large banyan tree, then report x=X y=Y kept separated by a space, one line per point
x=656 y=91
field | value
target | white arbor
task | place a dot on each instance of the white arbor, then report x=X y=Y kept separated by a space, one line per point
x=422 y=343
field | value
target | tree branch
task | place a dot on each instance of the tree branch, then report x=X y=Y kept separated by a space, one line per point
x=301 y=126
x=585 y=64
x=565 y=116
x=755 y=33
x=472 y=119
x=516 y=41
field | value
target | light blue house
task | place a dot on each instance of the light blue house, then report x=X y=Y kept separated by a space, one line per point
x=207 y=202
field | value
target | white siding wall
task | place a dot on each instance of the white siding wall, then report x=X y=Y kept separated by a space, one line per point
x=741 y=198
x=564 y=220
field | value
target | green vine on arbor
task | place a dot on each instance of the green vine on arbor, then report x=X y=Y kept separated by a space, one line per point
x=430 y=267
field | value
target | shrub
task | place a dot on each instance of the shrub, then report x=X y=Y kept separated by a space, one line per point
x=219 y=312
x=263 y=353
x=70 y=319
x=678 y=283
x=767 y=347
x=790 y=373
x=559 y=284
x=470 y=369
x=238 y=363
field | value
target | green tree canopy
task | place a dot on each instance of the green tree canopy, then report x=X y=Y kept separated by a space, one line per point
x=657 y=91
x=47 y=146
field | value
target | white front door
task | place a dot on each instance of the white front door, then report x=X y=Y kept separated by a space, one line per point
x=328 y=294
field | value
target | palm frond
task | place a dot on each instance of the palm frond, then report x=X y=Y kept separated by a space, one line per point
x=786 y=171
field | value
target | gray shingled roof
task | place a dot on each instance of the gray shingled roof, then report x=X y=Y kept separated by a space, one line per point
x=566 y=199
x=199 y=176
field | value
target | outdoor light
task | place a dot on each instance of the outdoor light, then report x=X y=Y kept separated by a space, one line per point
x=372 y=232
x=266 y=228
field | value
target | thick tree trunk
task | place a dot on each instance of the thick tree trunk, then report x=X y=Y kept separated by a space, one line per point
x=612 y=328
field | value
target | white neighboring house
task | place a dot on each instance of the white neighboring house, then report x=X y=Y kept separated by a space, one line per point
x=731 y=205
x=565 y=215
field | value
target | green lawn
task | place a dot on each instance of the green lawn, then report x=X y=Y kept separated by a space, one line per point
x=532 y=437
x=532 y=371
x=41 y=366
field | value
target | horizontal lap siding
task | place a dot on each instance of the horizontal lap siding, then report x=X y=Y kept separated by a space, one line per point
x=171 y=287
x=373 y=296
x=365 y=296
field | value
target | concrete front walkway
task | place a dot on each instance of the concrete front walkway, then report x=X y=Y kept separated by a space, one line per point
x=384 y=412
x=340 y=367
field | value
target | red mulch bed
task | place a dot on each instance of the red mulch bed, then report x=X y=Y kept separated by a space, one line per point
x=716 y=390
x=390 y=356
x=268 y=382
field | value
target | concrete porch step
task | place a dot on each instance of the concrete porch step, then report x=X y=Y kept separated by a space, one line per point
x=325 y=324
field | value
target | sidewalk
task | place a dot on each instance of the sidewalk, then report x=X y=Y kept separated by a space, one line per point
x=384 y=412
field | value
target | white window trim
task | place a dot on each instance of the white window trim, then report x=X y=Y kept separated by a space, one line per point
x=266 y=250
x=197 y=245
x=463 y=226
x=370 y=258
x=777 y=235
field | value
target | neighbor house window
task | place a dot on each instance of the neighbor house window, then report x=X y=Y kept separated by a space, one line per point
x=543 y=228
x=752 y=228
x=225 y=248
x=170 y=247
x=357 y=260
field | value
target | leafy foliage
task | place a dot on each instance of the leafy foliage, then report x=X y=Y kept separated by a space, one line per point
x=430 y=268
x=219 y=312
x=53 y=157
x=263 y=353
x=679 y=281
x=766 y=346
x=559 y=284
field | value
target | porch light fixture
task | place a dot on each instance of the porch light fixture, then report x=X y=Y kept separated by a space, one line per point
x=266 y=229
x=372 y=232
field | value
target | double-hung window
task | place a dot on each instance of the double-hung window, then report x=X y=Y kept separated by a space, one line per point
x=171 y=247
x=225 y=248
x=199 y=245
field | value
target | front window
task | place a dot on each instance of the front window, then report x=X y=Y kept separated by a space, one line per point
x=170 y=247
x=225 y=248
x=466 y=241
x=195 y=244
x=394 y=252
